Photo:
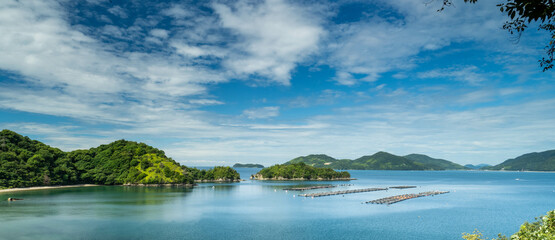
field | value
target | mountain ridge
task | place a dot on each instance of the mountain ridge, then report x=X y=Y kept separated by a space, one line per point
x=534 y=161
x=378 y=161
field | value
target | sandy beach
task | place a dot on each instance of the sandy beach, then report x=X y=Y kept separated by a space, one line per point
x=45 y=187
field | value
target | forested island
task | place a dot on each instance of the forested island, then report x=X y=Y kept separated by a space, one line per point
x=27 y=163
x=248 y=165
x=299 y=171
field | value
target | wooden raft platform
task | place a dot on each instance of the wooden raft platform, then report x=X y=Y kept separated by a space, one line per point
x=323 y=194
x=403 y=187
x=308 y=188
x=399 y=198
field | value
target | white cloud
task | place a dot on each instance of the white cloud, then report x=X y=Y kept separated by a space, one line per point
x=468 y=74
x=259 y=113
x=64 y=70
x=205 y=102
x=177 y=11
x=187 y=50
x=159 y=33
x=118 y=11
x=378 y=45
x=274 y=36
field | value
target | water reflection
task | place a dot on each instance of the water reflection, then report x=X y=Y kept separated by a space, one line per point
x=494 y=202
x=101 y=201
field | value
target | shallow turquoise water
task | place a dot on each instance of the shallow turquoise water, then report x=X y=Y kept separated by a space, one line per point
x=493 y=202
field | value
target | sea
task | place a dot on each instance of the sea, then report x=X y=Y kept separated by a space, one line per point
x=488 y=201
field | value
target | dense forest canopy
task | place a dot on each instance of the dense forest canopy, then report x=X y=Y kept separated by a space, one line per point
x=25 y=162
x=300 y=171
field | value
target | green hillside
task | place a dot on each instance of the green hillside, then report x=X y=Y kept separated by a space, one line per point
x=378 y=161
x=299 y=171
x=25 y=162
x=387 y=161
x=434 y=163
x=315 y=160
x=542 y=161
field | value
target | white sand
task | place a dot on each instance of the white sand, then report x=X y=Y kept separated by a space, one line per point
x=45 y=187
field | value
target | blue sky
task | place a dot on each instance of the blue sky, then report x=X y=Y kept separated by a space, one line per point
x=220 y=82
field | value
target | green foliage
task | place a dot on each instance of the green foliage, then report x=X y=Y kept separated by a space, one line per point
x=542 y=161
x=248 y=165
x=301 y=171
x=542 y=229
x=523 y=12
x=25 y=163
x=218 y=173
x=315 y=160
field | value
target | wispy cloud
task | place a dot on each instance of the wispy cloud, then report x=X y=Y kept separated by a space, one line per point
x=259 y=113
x=377 y=45
x=468 y=74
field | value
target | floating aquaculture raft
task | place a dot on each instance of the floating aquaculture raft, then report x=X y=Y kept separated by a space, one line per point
x=308 y=188
x=399 y=198
x=323 y=194
x=403 y=187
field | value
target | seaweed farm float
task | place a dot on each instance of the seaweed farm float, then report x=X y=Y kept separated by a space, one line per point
x=323 y=194
x=402 y=187
x=308 y=188
x=399 y=198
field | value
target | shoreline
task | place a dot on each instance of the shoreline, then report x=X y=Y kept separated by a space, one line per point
x=45 y=188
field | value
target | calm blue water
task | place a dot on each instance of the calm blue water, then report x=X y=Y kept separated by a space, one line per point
x=493 y=202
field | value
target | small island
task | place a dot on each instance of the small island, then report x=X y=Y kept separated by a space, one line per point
x=248 y=165
x=299 y=171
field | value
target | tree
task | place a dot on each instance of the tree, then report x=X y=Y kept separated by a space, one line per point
x=542 y=229
x=521 y=13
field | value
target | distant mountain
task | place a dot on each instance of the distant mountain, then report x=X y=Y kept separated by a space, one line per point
x=542 y=161
x=476 y=166
x=378 y=161
x=387 y=161
x=248 y=165
x=436 y=164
